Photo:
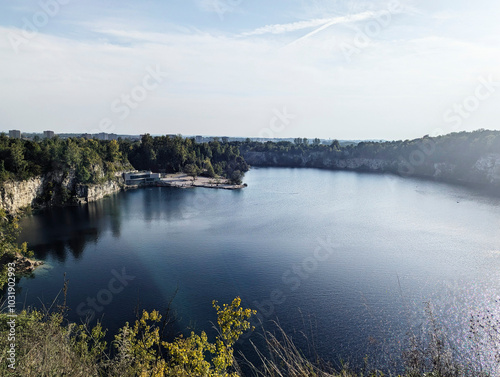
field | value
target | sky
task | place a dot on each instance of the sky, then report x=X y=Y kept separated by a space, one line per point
x=332 y=69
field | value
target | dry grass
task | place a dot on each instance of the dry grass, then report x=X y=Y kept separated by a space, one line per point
x=43 y=348
x=47 y=347
x=284 y=359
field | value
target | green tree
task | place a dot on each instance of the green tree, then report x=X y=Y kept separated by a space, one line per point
x=140 y=346
x=114 y=153
x=9 y=231
x=4 y=174
x=336 y=145
x=192 y=170
x=83 y=174
x=72 y=154
x=207 y=165
x=236 y=177
x=17 y=158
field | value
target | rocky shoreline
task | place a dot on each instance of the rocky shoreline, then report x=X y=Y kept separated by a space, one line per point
x=24 y=265
x=54 y=189
x=483 y=173
x=182 y=180
x=50 y=190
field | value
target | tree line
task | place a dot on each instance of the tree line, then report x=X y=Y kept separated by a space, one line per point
x=96 y=160
x=175 y=154
x=93 y=160
x=459 y=150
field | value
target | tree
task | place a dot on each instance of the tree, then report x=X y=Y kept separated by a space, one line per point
x=236 y=177
x=194 y=355
x=336 y=145
x=72 y=154
x=83 y=174
x=191 y=170
x=207 y=165
x=4 y=174
x=9 y=231
x=17 y=158
x=113 y=151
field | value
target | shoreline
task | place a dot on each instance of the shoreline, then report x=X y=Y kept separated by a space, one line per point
x=182 y=180
x=484 y=188
x=23 y=265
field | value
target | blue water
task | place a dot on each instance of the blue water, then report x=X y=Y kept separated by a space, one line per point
x=352 y=260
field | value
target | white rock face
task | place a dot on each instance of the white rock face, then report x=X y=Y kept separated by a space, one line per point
x=485 y=171
x=489 y=166
x=91 y=193
x=18 y=194
x=443 y=170
x=356 y=163
x=15 y=195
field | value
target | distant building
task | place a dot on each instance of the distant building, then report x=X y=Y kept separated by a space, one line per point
x=15 y=134
x=87 y=136
x=102 y=136
x=198 y=139
x=140 y=177
x=225 y=139
x=48 y=134
x=106 y=136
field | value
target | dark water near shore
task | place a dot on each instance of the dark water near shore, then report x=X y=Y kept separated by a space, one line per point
x=351 y=259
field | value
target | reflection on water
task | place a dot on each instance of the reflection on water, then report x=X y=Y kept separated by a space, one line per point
x=57 y=231
x=60 y=230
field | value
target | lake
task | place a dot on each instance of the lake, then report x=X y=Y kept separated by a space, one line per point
x=352 y=260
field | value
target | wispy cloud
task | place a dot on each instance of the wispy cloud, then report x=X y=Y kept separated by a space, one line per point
x=286 y=28
x=319 y=23
x=137 y=36
x=223 y=82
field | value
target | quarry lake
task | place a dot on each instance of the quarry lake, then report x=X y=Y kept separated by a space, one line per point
x=352 y=260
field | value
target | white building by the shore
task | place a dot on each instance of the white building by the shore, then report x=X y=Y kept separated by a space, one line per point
x=140 y=177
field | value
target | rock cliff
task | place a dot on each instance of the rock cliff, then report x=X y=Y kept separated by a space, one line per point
x=55 y=188
x=485 y=171
x=15 y=195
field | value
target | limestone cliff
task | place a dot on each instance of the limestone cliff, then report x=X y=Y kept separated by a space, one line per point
x=15 y=195
x=55 y=188
x=485 y=171
x=91 y=193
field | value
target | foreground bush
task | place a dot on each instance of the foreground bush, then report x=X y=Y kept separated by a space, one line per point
x=47 y=347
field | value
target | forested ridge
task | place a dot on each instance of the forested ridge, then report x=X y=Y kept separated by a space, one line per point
x=93 y=160
x=454 y=147
x=457 y=157
x=175 y=154
x=452 y=157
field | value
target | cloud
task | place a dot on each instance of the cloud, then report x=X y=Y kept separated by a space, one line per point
x=446 y=15
x=286 y=28
x=227 y=83
x=319 y=23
